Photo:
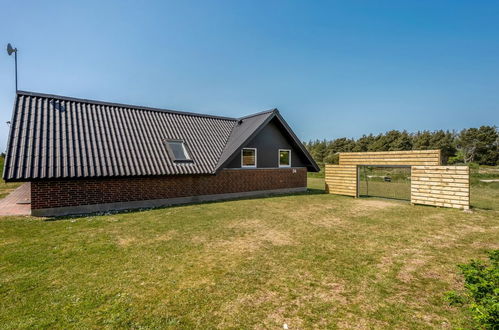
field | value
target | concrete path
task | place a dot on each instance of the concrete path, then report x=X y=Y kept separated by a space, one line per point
x=17 y=202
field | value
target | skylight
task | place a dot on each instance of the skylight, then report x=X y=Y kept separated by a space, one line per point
x=178 y=151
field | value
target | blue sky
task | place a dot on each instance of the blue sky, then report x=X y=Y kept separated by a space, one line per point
x=333 y=68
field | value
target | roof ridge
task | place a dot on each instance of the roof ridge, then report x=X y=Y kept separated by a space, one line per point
x=258 y=113
x=123 y=105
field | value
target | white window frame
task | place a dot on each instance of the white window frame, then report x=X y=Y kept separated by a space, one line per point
x=279 y=157
x=256 y=155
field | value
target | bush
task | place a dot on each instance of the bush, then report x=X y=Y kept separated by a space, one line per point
x=481 y=291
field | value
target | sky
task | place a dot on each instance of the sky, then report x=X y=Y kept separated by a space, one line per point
x=332 y=68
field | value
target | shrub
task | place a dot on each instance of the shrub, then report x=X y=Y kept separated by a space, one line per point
x=481 y=291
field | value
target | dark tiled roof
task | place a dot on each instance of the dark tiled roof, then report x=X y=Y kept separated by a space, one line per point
x=60 y=137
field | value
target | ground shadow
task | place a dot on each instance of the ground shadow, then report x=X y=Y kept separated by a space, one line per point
x=387 y=198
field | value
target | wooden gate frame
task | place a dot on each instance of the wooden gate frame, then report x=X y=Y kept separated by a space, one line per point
x=431 y=183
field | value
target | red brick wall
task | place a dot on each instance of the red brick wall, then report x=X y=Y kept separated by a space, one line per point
x=60 y=193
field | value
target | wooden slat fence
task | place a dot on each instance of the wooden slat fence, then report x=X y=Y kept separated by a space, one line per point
x=391 y=158
x=447 y=186
x=431 y=184
x=341 y=179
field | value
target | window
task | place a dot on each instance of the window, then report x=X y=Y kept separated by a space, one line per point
x=284 y=158
x=248 y=157
x=178 y=151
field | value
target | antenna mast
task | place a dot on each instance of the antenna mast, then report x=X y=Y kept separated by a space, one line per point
x=11 y=50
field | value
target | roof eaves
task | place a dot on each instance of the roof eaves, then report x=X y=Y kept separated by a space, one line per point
x=6 y=167
x=298 y=142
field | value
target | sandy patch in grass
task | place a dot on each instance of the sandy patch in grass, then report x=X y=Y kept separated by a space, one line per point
x=361 y=206
x=330 y=293
x=413 y=265
x=485 y=246
x=8 y=241
x=252 y=234
x=126 y=241
x=276 y=237
x=375 y=204
x=449 y=237
x=254 y=240
x=327 y=221
x=355 y=322
x=199 y=239
x=289 y=305
x=416 y=258
x=412 y=260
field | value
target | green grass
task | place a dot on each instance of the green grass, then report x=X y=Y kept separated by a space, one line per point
x=306 y=260
x=372 y=182
x=485 y=196
x=6 y=188
x=395 y=190
x=316 y=184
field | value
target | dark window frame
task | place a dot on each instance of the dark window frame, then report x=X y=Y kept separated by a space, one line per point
x=187 y=151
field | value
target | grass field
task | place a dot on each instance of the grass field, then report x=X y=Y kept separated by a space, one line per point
x=305 y=260
x=372 y=183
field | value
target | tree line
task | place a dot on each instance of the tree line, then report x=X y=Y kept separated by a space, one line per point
x=471 y=145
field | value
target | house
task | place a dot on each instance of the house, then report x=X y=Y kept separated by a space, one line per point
x=83 y=156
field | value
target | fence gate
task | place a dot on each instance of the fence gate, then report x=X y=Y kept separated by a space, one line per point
x=431 y=183
x=393 y=182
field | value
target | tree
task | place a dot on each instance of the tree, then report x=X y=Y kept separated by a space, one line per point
x=319 y=150
x=364 y=143
x=392 y=140
x=402 y=142
x=422 y=140
x=470 y=145
x=338 y=145
x=445 y=141
x=479 y=145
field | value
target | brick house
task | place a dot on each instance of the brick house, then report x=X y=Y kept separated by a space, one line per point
x=83 y=156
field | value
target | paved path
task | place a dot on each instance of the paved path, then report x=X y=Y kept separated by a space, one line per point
x=17 y=202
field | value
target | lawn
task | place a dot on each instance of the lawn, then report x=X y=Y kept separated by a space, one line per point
x=305 y=260
x=372 y=182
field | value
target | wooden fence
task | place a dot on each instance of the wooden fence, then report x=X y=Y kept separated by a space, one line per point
x=447 y=186
x=431 y=184
x=341 y=180
x=392 y=158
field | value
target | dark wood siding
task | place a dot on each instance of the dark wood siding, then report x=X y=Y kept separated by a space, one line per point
x=268 y=142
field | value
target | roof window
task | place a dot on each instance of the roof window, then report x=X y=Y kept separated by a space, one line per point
x=178 y=151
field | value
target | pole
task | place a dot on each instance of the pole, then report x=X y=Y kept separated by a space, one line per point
x=15 y=60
